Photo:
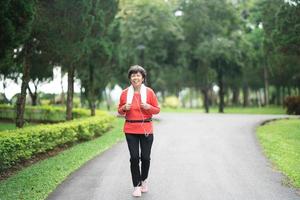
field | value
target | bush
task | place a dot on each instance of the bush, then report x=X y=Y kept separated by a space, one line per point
x=41 y=113
x=292 y=103
x=21 y=144
x=171 y=102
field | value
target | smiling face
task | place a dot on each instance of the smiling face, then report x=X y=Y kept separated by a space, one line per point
x=136 y=79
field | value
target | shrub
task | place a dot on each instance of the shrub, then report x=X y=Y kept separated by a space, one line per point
x=42 y=113
x=21 y=144
x=292 y=104
x=171 y=102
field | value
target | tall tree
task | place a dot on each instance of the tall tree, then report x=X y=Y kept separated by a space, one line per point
x=16 y=19
x=146 y=28
x=26 y=12
x=69 y=24
x=207 y=24
x=96 y=63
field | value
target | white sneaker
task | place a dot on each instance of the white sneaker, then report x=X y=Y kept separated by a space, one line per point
x=137 y=192
x=144 y=187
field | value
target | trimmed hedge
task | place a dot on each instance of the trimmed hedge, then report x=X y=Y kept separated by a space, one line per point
x=21 y=144
x=41 y=113
x=292 y=104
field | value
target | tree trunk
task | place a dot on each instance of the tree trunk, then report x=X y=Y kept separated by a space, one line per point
x=282 y=95
x=4 y=88
x=148 y=81
x=183 y=103
x=92 y=107
x=92 y=91
x=245 y=95
x=81 y=96
x=62 y=88
x=109 y=100
x=226 y=97
x=221 y=91
x=33 y=96
x=266 y=87
x=70 y=92
x=258 y=98
x=108 y=104
x=278 y=95
x=25 y=79
x=206 y=101
x=235 y=96
x=191 y=97
x=34 y=99
x=197 y=96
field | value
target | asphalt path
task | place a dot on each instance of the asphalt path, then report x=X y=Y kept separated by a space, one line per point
x=194 y=157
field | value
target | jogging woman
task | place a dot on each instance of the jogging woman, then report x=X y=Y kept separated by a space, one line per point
x=138 y=103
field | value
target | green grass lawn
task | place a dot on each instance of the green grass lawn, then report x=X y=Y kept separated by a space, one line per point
x=241 y=110
x=38 y=180
x=10 y=126
x=7 y=126
x=281 y=143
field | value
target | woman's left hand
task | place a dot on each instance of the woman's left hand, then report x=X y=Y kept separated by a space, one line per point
x=145 y=106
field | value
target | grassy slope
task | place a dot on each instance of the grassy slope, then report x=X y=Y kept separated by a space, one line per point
x=281 y=142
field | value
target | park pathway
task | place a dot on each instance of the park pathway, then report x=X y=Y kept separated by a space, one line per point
x=194 y=157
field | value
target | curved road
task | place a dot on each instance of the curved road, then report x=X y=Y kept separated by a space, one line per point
x=194 y=157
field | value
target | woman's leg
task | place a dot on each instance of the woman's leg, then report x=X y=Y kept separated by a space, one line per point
x=133 y=146
x=146 y=144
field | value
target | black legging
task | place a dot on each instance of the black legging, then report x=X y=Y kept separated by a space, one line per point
x=134 y=141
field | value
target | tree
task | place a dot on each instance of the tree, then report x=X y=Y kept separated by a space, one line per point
x=208 y=23
x=281 y=45
x=224 y=59
x=69 y=24
x=286 y=36
x=96 y=63
x=41 y=70
x=28 y=11
x=16 y=18
x=146 y=29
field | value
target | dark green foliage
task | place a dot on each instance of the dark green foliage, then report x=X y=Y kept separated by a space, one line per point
x=16 y=18
x=150 y=35
x=22 y=144
x=287 y=29
x=95 y=66
x=292 y=104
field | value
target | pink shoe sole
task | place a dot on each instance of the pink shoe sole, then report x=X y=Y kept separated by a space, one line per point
x=144 y=190
x=144 y=187
x=137 y=192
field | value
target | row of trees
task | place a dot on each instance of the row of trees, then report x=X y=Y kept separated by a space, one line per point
x=39 y=35
x=238 y=45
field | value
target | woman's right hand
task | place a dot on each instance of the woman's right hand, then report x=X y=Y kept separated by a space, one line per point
x=126 y=106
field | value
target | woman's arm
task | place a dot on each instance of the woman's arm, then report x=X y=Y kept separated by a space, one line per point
x=122 y=103
x=153 y=103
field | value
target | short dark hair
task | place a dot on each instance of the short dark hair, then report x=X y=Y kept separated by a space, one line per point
x=136 y=69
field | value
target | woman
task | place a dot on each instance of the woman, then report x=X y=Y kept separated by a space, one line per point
x=138 y=103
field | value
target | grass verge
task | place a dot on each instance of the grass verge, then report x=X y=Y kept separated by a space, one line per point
x=237 y=110
x=39 y=180
x=280 y=140
x=7 y=126
x=10 y=126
